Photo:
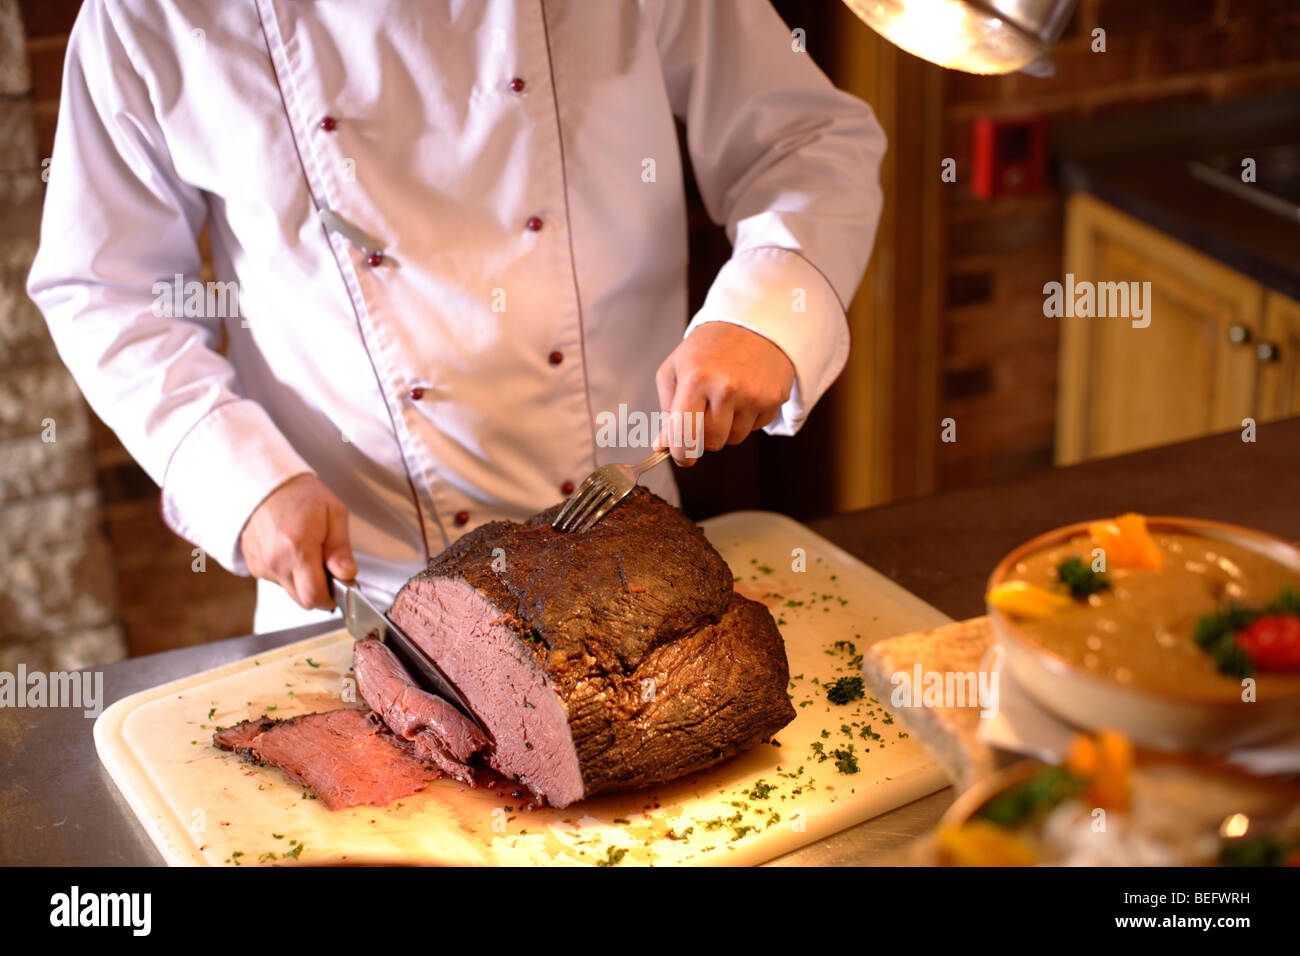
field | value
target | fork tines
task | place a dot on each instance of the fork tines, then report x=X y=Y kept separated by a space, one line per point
x=586 y=506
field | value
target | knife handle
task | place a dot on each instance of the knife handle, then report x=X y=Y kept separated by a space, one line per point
x=341 y=590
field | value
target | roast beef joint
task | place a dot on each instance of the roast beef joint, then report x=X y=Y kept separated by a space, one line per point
x=602 y=661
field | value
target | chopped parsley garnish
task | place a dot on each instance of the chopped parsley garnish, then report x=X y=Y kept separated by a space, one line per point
x=844 y=690
x=717 y=823
x=1288 y=602
x=845 y=760
x=613 y=855
x=760 y=790
x=1215 y=635
x=848 y=647
x=1081 y=579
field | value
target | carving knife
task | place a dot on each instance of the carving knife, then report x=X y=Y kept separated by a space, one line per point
x=363 y=619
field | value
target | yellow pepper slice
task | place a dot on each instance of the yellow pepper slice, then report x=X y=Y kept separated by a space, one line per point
x=1127 y=542
x=981 y=843
x=1022 y=599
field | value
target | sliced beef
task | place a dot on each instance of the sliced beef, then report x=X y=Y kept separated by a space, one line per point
x=438 y=730
x=345 y=757
x=606 y=660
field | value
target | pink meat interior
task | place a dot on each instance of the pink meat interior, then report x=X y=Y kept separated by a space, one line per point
x=503 y=684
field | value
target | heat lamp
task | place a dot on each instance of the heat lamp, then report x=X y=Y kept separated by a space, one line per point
x=975 y=36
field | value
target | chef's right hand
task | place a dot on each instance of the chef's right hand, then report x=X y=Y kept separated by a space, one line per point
x=296 y=532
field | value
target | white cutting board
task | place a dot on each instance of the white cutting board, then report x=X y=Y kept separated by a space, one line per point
x=202 y=806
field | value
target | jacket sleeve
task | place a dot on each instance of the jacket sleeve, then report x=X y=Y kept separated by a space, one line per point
x=790 y=166
x=118 y=233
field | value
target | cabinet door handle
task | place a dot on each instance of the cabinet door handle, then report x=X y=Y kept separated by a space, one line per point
x=1238 y=334
x=1266 y=352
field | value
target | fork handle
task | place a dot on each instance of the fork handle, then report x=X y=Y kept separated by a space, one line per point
x=646 y=464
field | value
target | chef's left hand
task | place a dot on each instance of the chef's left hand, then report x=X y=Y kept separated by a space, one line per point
x=737 y=378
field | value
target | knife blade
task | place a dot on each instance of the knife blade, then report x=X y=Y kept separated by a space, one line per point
x=362 y=619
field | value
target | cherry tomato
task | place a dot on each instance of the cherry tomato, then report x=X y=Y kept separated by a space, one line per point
x=1273 y=642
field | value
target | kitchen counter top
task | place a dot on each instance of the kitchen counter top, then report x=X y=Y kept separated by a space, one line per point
x=1141 y=165
x=58 y=805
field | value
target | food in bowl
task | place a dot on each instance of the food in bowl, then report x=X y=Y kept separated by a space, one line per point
x=1182 y=613
x=1110 y=805
x=1136 y=620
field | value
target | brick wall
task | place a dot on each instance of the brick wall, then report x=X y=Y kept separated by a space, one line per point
x=58 y=593
x=161 y=601
x=998 y=354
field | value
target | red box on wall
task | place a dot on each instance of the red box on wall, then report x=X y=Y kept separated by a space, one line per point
x=1009 y=156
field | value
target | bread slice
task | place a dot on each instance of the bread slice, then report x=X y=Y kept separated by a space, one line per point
x=950 y=733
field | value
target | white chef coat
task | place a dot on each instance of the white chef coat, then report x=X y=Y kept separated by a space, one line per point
x=510 y=259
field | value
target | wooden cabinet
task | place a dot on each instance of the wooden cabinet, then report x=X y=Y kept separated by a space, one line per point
x=1213 y=348
x=1279 y=376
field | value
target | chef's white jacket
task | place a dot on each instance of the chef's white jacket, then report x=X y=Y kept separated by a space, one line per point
x=504 y=268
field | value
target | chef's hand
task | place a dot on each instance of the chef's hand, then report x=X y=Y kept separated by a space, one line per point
x=737 y=378
x=298 y=530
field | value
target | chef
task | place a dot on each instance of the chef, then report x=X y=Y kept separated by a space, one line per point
x=449 y=241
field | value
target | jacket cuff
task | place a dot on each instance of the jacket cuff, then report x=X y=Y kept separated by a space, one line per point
x=783 y=297
x=224 y=467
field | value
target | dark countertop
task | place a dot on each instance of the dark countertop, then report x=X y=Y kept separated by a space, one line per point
x=1140 y=164
x=59 y=806
x=943 y=547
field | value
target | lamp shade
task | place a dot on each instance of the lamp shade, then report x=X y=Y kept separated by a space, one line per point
x=976 y=36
